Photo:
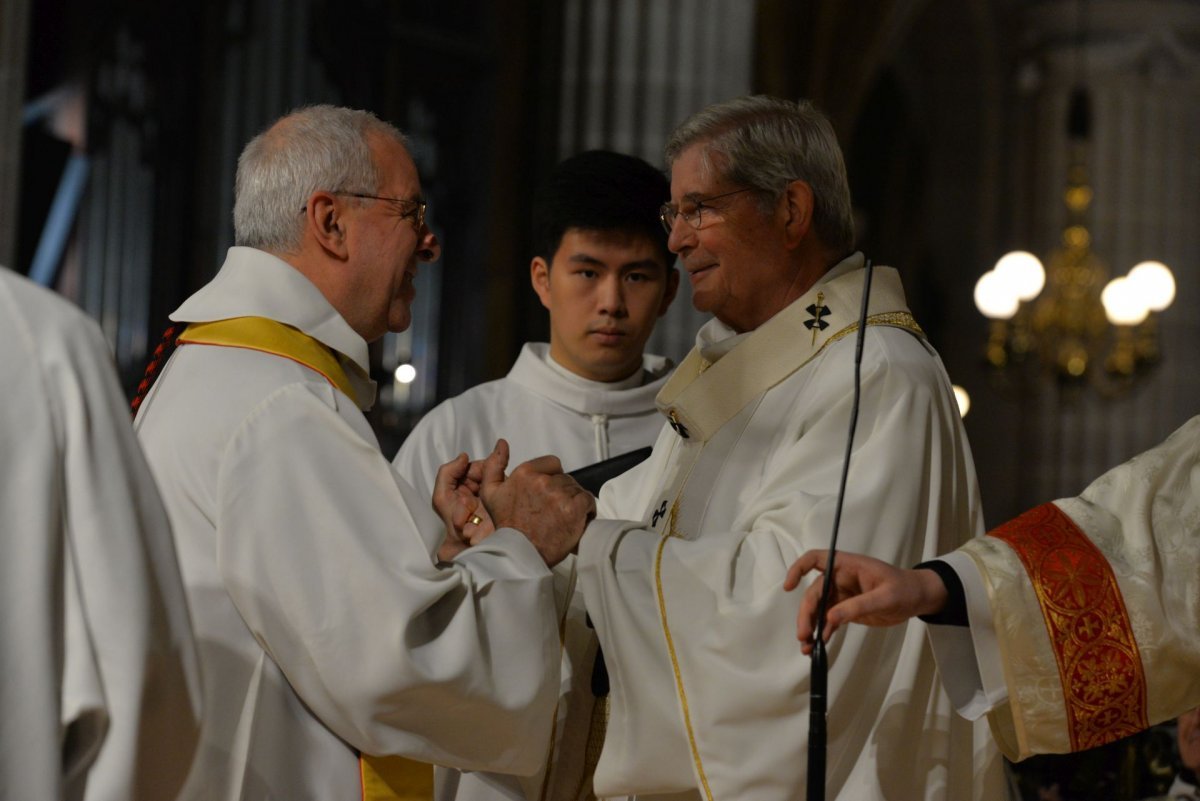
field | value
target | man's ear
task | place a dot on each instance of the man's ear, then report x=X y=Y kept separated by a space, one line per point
x=669 y=293
x=539 y=276
x=796 y=209
x=326 y=223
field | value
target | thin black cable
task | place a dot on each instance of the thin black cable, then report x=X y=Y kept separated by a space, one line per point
x=818 y=675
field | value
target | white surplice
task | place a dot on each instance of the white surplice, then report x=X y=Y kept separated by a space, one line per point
x=323 y=621
x=99 y=686
x=1087 y=684
x=540 y=408
x=709 y=688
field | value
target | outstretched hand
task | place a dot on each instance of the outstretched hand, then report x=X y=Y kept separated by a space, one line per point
x=865 y=590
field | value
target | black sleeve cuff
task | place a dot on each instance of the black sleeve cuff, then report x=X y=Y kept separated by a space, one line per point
x=954 y=613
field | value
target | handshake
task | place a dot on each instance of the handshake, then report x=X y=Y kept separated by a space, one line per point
x=474 y=498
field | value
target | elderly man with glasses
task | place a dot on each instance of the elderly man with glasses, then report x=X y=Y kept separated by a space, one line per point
x=683 y=567
x=326 y=627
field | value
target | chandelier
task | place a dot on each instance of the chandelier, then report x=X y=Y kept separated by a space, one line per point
x=1068 y=316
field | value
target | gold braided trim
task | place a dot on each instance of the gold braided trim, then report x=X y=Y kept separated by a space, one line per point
x=662 y=611
x=1099 y=664
x=894 y=319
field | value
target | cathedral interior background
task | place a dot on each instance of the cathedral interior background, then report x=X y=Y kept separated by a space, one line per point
x=121 y=121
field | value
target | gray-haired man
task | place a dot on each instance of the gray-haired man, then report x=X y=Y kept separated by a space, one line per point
x=683 y=579
x=325 y=626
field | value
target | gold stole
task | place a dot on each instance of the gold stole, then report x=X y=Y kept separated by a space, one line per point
x=392 y=778
x=1099 y=665
x=270 y=336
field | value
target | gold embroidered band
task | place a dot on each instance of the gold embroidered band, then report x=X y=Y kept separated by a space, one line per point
x=1104 y=683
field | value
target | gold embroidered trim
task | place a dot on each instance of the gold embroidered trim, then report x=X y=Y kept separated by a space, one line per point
x=1099 y=664
x=895 y=319
x=562 y=647
x=671 y=530
x=662 y=611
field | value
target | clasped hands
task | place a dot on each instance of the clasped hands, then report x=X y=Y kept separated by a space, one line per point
x=475 y=498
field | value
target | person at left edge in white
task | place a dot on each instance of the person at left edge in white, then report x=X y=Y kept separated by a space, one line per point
x=100 y=687
x=326 y=627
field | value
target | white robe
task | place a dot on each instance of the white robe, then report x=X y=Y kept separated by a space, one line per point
x=99 y=685
x=323 y=621
x=710 y=699
x=541 y=410
x=1125 y=552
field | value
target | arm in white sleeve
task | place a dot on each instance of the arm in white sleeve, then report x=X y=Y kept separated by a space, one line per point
x=320 y=546
x=968 y=657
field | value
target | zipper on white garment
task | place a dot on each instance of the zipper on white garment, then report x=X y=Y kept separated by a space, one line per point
x=600 y=427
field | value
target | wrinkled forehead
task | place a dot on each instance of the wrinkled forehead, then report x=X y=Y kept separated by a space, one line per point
x=698 y=170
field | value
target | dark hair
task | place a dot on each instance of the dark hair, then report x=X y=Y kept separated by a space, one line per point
x=602 y=191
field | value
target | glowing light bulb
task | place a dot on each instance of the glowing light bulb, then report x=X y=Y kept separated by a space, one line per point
x=1022 y=272
x=406 y=373
x=1123 y=304
x=1156 y=284
x=994 y=297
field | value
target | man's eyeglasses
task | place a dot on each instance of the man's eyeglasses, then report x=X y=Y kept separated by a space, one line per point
x=691 y=210
x=409 y=209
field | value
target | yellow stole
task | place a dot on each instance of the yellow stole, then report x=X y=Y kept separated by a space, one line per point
x=269 y=336
x=393 y=778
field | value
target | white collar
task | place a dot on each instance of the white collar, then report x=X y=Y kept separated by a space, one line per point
x=254 y=283
x=535 y=370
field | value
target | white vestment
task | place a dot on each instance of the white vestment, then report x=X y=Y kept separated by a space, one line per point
x=99 y=685
x=709 y=688
x=540 y=408
x=1084 y=612
x=324 y=624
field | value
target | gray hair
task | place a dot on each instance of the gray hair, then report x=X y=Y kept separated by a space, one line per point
x=766 y=143
x=313 y=148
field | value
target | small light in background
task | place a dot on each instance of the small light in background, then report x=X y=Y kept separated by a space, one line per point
x=406 y=373
x=964 y=400
x=995 y=296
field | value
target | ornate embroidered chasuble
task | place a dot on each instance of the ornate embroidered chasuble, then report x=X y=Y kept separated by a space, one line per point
x=391 y=778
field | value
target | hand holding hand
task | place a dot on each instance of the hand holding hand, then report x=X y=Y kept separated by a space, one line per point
x=456 y=500
x=865 y=590
x=539 y=500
